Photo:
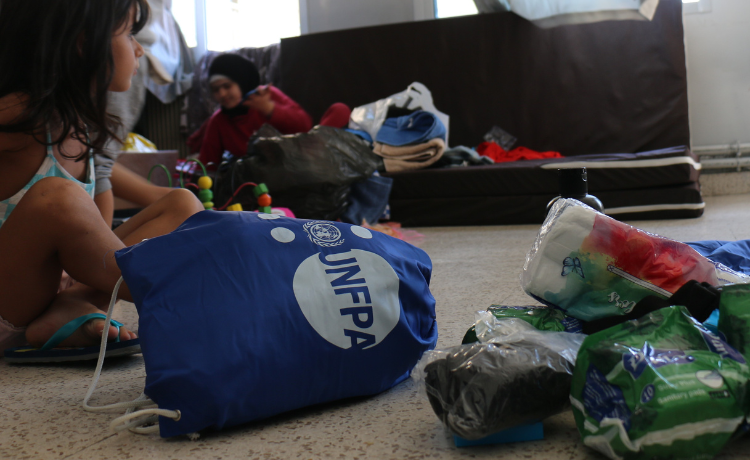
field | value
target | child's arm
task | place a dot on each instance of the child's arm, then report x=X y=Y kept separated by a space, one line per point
x=105 y=201
x=287 y=116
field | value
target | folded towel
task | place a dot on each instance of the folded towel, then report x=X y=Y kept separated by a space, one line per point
x=410 y=156
x=593 y=266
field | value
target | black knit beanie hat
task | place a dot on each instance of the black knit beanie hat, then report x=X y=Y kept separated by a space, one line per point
x=236 y=68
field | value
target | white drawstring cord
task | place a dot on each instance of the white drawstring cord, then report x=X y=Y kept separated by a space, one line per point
x=131 y=419
x=135 y=421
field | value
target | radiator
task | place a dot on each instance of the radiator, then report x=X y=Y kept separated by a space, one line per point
x=160 y=123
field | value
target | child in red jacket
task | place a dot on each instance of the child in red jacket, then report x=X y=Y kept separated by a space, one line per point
x=245 y=107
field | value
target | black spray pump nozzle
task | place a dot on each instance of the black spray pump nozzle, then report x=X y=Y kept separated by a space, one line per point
x=573 y=182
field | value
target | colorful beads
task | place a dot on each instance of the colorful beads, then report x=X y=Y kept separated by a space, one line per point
x=235 y=207
x=205 y=183
x=205 y=194
x=264 y=200
x=259 y=190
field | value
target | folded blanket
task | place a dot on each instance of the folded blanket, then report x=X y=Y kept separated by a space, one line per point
x=593 y=266
x=410 y=156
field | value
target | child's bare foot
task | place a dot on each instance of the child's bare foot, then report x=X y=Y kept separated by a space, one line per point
x=70 y=304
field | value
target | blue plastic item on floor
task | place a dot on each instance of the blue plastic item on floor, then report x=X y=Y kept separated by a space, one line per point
x=712 y=323
x=531 y=432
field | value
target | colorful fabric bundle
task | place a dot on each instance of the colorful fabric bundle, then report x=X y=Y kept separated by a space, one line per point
x=593 y=266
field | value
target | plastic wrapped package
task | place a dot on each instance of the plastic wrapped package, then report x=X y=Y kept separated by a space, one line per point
x=593 y=266
x=734 y=316
x=309 y=173
x=542 y=317
x=517 y=375
x=661 y=386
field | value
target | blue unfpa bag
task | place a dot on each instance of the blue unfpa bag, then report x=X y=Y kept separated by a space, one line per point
x=245 y=315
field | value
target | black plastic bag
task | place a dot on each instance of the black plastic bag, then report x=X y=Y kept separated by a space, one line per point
x=481 y=389
x=522 y=376
x=309 y=173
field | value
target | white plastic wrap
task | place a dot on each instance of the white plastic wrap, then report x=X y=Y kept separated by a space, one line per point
x=593 y=266
x=370 y=117
x=514 y=376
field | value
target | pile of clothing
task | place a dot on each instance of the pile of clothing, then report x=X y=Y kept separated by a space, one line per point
x=411 y=141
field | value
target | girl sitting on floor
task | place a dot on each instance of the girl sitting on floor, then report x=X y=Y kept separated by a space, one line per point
x=59 y=59
x=246 y=106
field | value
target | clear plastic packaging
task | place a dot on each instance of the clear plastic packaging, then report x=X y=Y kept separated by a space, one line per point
x=516 y=375
x=500 y=137
x=593 y=266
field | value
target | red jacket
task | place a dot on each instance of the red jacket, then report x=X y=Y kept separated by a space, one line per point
x=225 y=133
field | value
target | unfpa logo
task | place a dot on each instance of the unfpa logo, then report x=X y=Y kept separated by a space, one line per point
x=350 y=298
x=323 y=234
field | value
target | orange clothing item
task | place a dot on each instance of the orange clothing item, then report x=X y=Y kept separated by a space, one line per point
x=233 y=133
x=499 y=155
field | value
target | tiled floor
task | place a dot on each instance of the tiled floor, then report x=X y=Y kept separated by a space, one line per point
x=40 y=414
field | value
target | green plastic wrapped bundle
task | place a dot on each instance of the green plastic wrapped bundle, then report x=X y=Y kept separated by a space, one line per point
x=661 y=386
x=541 y=317
x=734 y=316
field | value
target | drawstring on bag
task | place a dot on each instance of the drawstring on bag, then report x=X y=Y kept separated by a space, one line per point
x=143 y=421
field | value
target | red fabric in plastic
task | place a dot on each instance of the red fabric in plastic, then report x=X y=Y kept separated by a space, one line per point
x=499 y=155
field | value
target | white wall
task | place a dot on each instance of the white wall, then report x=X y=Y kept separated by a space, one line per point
x=718 y=69
x=325 y=15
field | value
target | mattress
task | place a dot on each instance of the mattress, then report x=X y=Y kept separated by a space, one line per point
x=658 y=184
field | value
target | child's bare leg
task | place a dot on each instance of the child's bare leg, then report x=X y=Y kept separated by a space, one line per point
x=162 y=217
x=56 y=225
x=74 y=302
x=131 y=187
x=165 y=215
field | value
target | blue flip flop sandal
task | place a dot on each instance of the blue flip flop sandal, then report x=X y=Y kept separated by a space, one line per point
x=49 y=354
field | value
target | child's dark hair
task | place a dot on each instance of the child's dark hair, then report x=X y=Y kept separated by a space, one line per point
x=58 y=54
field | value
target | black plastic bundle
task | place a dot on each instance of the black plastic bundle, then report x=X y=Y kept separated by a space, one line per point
x=480 y=389
x=309 y=173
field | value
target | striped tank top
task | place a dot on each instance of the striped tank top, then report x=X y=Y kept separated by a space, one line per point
x=50 y=168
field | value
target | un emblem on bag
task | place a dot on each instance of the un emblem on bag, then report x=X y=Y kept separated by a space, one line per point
x=323 y=234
